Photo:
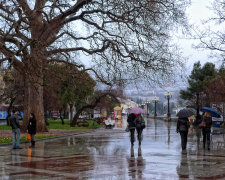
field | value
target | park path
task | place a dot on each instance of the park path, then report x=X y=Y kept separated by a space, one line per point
x=107 y=154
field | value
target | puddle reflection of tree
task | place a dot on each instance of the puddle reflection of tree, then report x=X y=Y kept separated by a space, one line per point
x=137 y=165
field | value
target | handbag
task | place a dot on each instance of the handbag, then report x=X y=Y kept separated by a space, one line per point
x=142 y=125
x=202 y=124
x=28 y=137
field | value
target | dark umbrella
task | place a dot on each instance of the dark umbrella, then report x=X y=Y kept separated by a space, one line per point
x=187 y=112
x=212 y=112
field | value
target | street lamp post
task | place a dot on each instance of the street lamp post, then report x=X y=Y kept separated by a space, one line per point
x=155 y=99
x=168 y=95
x=147 y=103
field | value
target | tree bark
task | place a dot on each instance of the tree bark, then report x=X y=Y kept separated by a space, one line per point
x=76 y=116
x=33 y=95
x=61 y=117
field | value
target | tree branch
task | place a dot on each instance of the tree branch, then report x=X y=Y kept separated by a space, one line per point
x=103 y=48
x=25 y=7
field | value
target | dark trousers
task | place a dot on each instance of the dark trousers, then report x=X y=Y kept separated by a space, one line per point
x=132 y=135
x=139 y=132
x=206 y=135
x=183 y=136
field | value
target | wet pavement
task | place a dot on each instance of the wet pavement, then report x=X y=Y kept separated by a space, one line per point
x=107 y=154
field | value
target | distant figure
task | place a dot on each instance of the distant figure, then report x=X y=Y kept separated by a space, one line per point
x=198 y=129
x=140 y=125
x=182 y=128
x=131 y=125
x=14 y=123
x=31 y=128
x=207 y=129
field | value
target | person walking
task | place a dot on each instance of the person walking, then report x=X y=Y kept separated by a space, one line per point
x=31 y=128
x=14 y=123
x=140 y=125
x=131 y=125
x=206 y=130
x=182 y=128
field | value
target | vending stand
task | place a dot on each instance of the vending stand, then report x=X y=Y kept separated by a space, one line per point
x=117 y=113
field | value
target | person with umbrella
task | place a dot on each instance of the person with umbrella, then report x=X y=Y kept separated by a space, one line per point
x=206 y=129
x=131 y=125
x=138 y=122
x=183 y=125
x=207 y=123
x=140 y=125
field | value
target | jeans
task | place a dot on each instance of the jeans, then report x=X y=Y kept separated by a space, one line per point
x=206 y=135
x=32 y=137
x=139 y=132
x=16 y=138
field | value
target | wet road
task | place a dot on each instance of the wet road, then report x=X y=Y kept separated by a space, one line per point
x=107 y=154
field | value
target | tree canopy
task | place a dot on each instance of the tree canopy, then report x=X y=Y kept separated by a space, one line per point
x=65 y=84
x=197 y=81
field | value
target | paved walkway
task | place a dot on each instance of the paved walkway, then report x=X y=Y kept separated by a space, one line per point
x=107 y=154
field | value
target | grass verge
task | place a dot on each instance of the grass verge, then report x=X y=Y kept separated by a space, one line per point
x=56 y=124
x=4 y=140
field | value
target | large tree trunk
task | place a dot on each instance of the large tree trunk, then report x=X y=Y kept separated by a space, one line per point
x=33 y=95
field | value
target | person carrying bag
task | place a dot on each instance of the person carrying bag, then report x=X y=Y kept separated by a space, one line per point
x=182 y=128
x=140 y=125
x=206 y=129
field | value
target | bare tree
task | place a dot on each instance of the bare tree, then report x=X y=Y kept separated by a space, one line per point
x=213 y=35
x=127 y=40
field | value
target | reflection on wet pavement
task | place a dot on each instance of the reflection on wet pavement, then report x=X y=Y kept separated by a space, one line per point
x=108 y=154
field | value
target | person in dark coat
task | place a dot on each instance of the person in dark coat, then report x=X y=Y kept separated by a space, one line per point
x=182 y=128
x=31 y=128
x=140 y=125
x=131 y=125
x=14 y=123
x=207 y=129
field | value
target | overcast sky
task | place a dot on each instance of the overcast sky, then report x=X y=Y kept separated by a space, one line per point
x=197 y=12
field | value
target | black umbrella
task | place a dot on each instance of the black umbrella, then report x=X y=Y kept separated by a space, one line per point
x=187 y=112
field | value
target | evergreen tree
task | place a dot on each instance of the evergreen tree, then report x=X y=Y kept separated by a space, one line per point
x=197 y=81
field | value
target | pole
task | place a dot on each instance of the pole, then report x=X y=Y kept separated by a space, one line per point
x=168 y=107
x=155 y=109
x=223 y=112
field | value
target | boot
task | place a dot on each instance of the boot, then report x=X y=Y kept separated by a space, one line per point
x=32 y=144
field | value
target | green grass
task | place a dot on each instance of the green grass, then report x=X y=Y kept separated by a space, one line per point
x=23 y=139
x=5 y=127
x=56 y=124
